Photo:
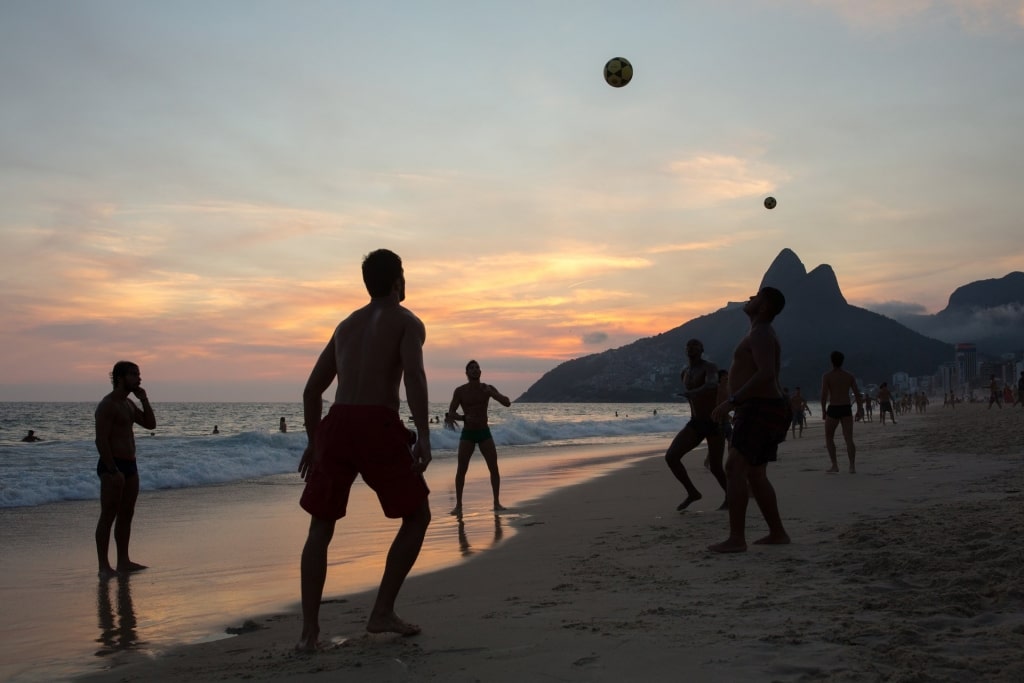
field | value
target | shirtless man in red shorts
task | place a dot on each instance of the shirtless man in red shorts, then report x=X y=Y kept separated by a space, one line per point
x=369 y=352
x=762 y=418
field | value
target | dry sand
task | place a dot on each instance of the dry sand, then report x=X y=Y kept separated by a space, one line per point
x=909 y=570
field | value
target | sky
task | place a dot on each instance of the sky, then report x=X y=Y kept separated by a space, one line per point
x=193 y=185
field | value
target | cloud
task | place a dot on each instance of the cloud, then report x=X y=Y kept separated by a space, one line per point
x=593 y=338
x=895 y=309
x=720 y=177
x=973 y=15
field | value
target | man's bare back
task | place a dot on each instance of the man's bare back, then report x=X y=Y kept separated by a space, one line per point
x=367 y=350
x=698 y=379
x=838 y=386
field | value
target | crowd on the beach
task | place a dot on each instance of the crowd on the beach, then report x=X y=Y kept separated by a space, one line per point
x=742 y=413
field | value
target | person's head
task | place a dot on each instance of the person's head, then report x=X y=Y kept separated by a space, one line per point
x=884 y=385
x=31 y=432
x=382 y=273
x=796 y=390
x=766 y=304
x=723 y=375
x=123 y=369
x=837 y=359
x=694 y=348
x=473 y=370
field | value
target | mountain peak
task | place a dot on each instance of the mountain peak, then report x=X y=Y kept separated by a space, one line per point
x=786 y=273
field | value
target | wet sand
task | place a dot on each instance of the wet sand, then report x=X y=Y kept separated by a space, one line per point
x=220 y=555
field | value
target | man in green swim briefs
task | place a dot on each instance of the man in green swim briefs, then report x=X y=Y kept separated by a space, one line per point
x=473 y=397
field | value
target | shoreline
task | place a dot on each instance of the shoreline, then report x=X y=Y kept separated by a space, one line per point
x=223 y=554
x=910 y=568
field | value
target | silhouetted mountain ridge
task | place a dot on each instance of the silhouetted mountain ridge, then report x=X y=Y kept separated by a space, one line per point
x=817 y=320
x=988 y=313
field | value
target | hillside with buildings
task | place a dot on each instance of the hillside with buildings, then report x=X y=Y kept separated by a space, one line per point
x=816 y=321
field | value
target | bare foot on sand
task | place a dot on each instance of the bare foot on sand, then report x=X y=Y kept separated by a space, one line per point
x=692 y=498
x=131 y=567
x=728 y=546
x=391 y=623
x=456 y=511
x=107 y=573
x=834 y=468
x=853 y=470
x=770 y=539
x=498 y=507
x=309 y=643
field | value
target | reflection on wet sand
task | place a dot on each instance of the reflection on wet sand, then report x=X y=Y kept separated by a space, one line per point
x=116 y=633
x=464 y=545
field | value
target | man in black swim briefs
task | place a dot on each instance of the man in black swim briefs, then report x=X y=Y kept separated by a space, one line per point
x=762 y=418
x=700 y=387
x=473 y=398
x=116 y=416
x=837 y=385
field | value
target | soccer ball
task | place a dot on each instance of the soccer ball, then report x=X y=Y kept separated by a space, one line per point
x=769 y=202
x=618 y=72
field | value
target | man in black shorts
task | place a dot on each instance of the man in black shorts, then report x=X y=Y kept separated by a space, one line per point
x=762 y=419
x=836 y=387
x=473 y=397
x=116 y=416
x=700 y=383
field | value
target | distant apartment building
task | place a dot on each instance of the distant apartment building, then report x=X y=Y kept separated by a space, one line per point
x=900 y=381
x=967 y=361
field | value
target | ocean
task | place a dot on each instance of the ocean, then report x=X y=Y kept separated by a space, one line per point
x=182 y=452
x=219 y=525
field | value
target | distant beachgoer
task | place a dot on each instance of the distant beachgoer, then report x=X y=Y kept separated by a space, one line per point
x=216 y=429
x=700 y=387
x=117 y=469
x=836 y=387
x=283 y=426
x=799 y=406
x=473 y=397
x=994 y=395
x=1020 y=391
x=885 y=403
x=363 y=434
x=762 y=418
x=1007 y=395
x=30 y=437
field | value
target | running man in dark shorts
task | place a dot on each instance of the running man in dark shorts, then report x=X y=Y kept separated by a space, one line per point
x=369 y=353
x=762 y=418
x=473 y=397
x=700 y=387
x=836 y=387
x=116 y=467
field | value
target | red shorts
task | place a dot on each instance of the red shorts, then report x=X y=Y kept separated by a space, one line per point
x=366 y=440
